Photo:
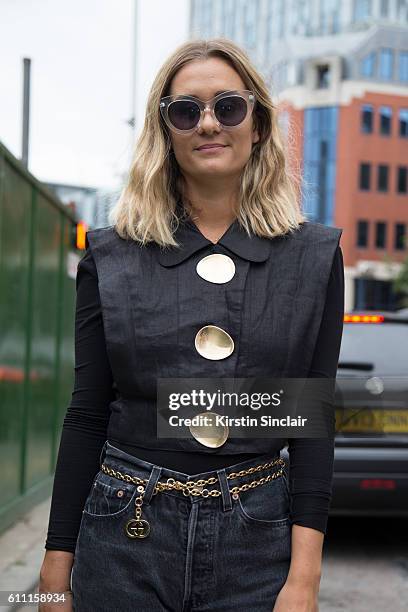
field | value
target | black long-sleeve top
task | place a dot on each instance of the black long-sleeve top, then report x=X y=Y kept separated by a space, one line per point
x=85 y=425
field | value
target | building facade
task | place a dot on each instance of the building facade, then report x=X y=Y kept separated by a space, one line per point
x=339 y=74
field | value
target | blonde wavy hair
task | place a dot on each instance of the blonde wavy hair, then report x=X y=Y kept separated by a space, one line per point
x=268 y=203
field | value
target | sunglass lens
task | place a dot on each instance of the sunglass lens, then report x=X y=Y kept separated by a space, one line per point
x=231 y=110
x=184 y=114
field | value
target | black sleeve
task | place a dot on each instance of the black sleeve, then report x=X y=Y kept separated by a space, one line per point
x=312 y=459
x=85 y=424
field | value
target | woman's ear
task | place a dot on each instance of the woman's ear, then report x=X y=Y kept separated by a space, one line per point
x=255 y=131
x=255 y=135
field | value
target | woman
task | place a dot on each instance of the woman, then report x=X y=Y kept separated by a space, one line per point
x=209 y=271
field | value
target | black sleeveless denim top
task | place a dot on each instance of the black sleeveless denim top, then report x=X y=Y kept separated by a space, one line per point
x=153 y=303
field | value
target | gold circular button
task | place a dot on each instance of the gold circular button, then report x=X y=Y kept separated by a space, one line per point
x=212 y=342
x=212 y=434
x=216 y=268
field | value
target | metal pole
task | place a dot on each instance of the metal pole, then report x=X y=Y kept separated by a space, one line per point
x=26 y=111
x=134 y=70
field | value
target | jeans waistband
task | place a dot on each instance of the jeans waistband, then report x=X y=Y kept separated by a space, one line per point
x=146 y=467
x=123 y=462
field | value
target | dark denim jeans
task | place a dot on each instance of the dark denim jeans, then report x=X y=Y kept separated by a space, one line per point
x=203 y=554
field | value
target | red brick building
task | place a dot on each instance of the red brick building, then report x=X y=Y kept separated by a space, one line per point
x=350 y=137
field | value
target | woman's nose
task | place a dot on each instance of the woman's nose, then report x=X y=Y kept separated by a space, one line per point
x=208 y=123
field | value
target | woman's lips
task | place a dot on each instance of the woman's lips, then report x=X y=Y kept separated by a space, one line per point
x=211 y=147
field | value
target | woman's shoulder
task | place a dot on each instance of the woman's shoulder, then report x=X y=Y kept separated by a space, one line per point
x=99 y=234
x=93 y=237
x=317 y=232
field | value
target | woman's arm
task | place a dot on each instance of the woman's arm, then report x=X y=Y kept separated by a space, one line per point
x=83 y=432
x=312 y=459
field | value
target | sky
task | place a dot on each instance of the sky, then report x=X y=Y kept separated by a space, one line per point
x=82 y=54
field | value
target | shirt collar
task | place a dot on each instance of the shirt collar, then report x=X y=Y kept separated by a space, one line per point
x=235 y=239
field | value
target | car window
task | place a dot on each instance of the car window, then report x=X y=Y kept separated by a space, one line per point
x=385 y=345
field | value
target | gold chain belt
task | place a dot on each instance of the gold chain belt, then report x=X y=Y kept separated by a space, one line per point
x=140 y=528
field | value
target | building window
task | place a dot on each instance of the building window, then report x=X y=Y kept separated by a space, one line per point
x=403 y=66
x=327 y=14
x=372 y=294
x=367 y=66
x=385 y=114
x=402 y=14
x=323 y=76
x=275 y=21
x=362 y=9
x=251 y=20
x=362 y=233
x=399 y=242
x=403 y=122
x=319 y=162
x=227 y=18
x=402 y=179
x=206 y=18
x=380 y=234
x=280 y=17
x=367 y=118
x=365 y=176
x=384 y=8
x=386 y=64
x=382 y=178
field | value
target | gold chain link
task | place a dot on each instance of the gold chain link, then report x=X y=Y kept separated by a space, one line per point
x=193 y=487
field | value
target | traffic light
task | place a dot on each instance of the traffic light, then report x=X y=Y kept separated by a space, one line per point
x=79 y=235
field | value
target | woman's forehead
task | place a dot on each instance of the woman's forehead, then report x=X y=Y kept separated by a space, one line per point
x=205 y=78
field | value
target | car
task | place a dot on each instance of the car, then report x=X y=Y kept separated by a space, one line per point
x=371 y=406
x=371 y=402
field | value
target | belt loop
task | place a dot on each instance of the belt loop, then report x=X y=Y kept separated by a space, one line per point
x=225 y=492
x=153 y=478
x=102 y=451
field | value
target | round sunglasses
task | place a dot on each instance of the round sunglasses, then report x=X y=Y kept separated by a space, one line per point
x=184 y=114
